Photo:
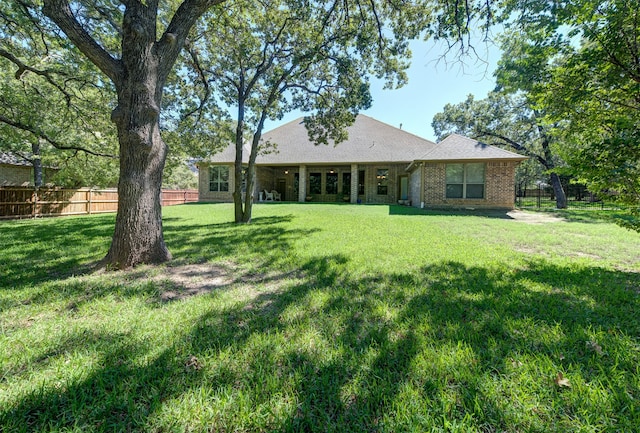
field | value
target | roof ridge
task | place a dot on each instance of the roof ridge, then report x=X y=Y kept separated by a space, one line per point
x=399 y=129
x=301 y=120
x=454 y=140
x=493 y=146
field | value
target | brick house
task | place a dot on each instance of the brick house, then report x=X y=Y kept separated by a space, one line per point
x=377 y=164
x=15 y=171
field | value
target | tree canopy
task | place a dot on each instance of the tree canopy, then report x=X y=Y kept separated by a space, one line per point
x=580 y=65
x=52 y=101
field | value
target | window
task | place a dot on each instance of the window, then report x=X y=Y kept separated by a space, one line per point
x=219 y=178
x=315 y=183
x=346 y=183
x=361 y=182
x=382 y=179
x=332 y=183
x=465 y=180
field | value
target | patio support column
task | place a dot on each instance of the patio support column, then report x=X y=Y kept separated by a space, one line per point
x=302 y=183
x=354 y=183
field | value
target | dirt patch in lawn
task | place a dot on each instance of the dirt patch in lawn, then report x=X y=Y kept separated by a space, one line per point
x=534 y=217
x=184 y=281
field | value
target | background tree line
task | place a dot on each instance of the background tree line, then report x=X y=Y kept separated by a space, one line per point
x=568 y=95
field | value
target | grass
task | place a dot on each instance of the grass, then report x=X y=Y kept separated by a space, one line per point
x=324 y=318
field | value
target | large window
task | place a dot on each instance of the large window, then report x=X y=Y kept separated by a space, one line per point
x=332 y=183
x=382 y=179
x=219 y=178
x=315 y=183
x=465 y=180
x=361 y=182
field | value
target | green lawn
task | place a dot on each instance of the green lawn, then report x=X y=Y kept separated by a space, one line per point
x=326 y=318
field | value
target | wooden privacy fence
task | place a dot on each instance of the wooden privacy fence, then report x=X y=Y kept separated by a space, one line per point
x=16 y=202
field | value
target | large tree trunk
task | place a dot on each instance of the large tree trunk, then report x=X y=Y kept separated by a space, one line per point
x=237 y=190
x=248 y=196
x=251 y=170
x=558 y=191
x=139 y=75
x=37 y=164
x=240 y=212
x=137 y=237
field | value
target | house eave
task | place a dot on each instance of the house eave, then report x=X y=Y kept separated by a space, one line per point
x=308 y=164
x=453 y=160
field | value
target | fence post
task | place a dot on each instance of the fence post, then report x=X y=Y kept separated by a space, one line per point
x=539 y=195
x=89 y=199
x=34 y=202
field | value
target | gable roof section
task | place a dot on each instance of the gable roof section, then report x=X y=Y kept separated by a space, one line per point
x=459 y=148
x=369 y=141
x=11 y=159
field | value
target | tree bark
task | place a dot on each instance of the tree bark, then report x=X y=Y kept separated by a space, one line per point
x=558 y=191
x=37 y=163
x=137 y=236
x=239 y=213
x=251 y=169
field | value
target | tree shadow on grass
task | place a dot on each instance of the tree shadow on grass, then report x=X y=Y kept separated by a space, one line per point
x=59 y=274
x=330 y=351
x=43 y=250
x=266 y=237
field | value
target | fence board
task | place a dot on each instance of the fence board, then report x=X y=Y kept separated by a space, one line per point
x=20 y=202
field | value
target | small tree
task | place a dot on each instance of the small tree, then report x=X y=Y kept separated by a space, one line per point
x=285 y=56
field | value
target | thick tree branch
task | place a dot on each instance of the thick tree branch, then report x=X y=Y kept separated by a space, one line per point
x=195 y=63
x=60 y=12
x=513 y=144
x=173 y=39
x=107 y=16
x=50 y=140
x=46 y=73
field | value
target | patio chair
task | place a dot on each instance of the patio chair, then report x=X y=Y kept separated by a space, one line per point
x=268 y=196
x=276 y=195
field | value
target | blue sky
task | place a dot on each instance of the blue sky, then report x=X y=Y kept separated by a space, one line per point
x=432 y=84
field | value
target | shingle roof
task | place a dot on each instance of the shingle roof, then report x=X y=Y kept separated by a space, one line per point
x=369 y=141
x=10 y=159
x=457 y=147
